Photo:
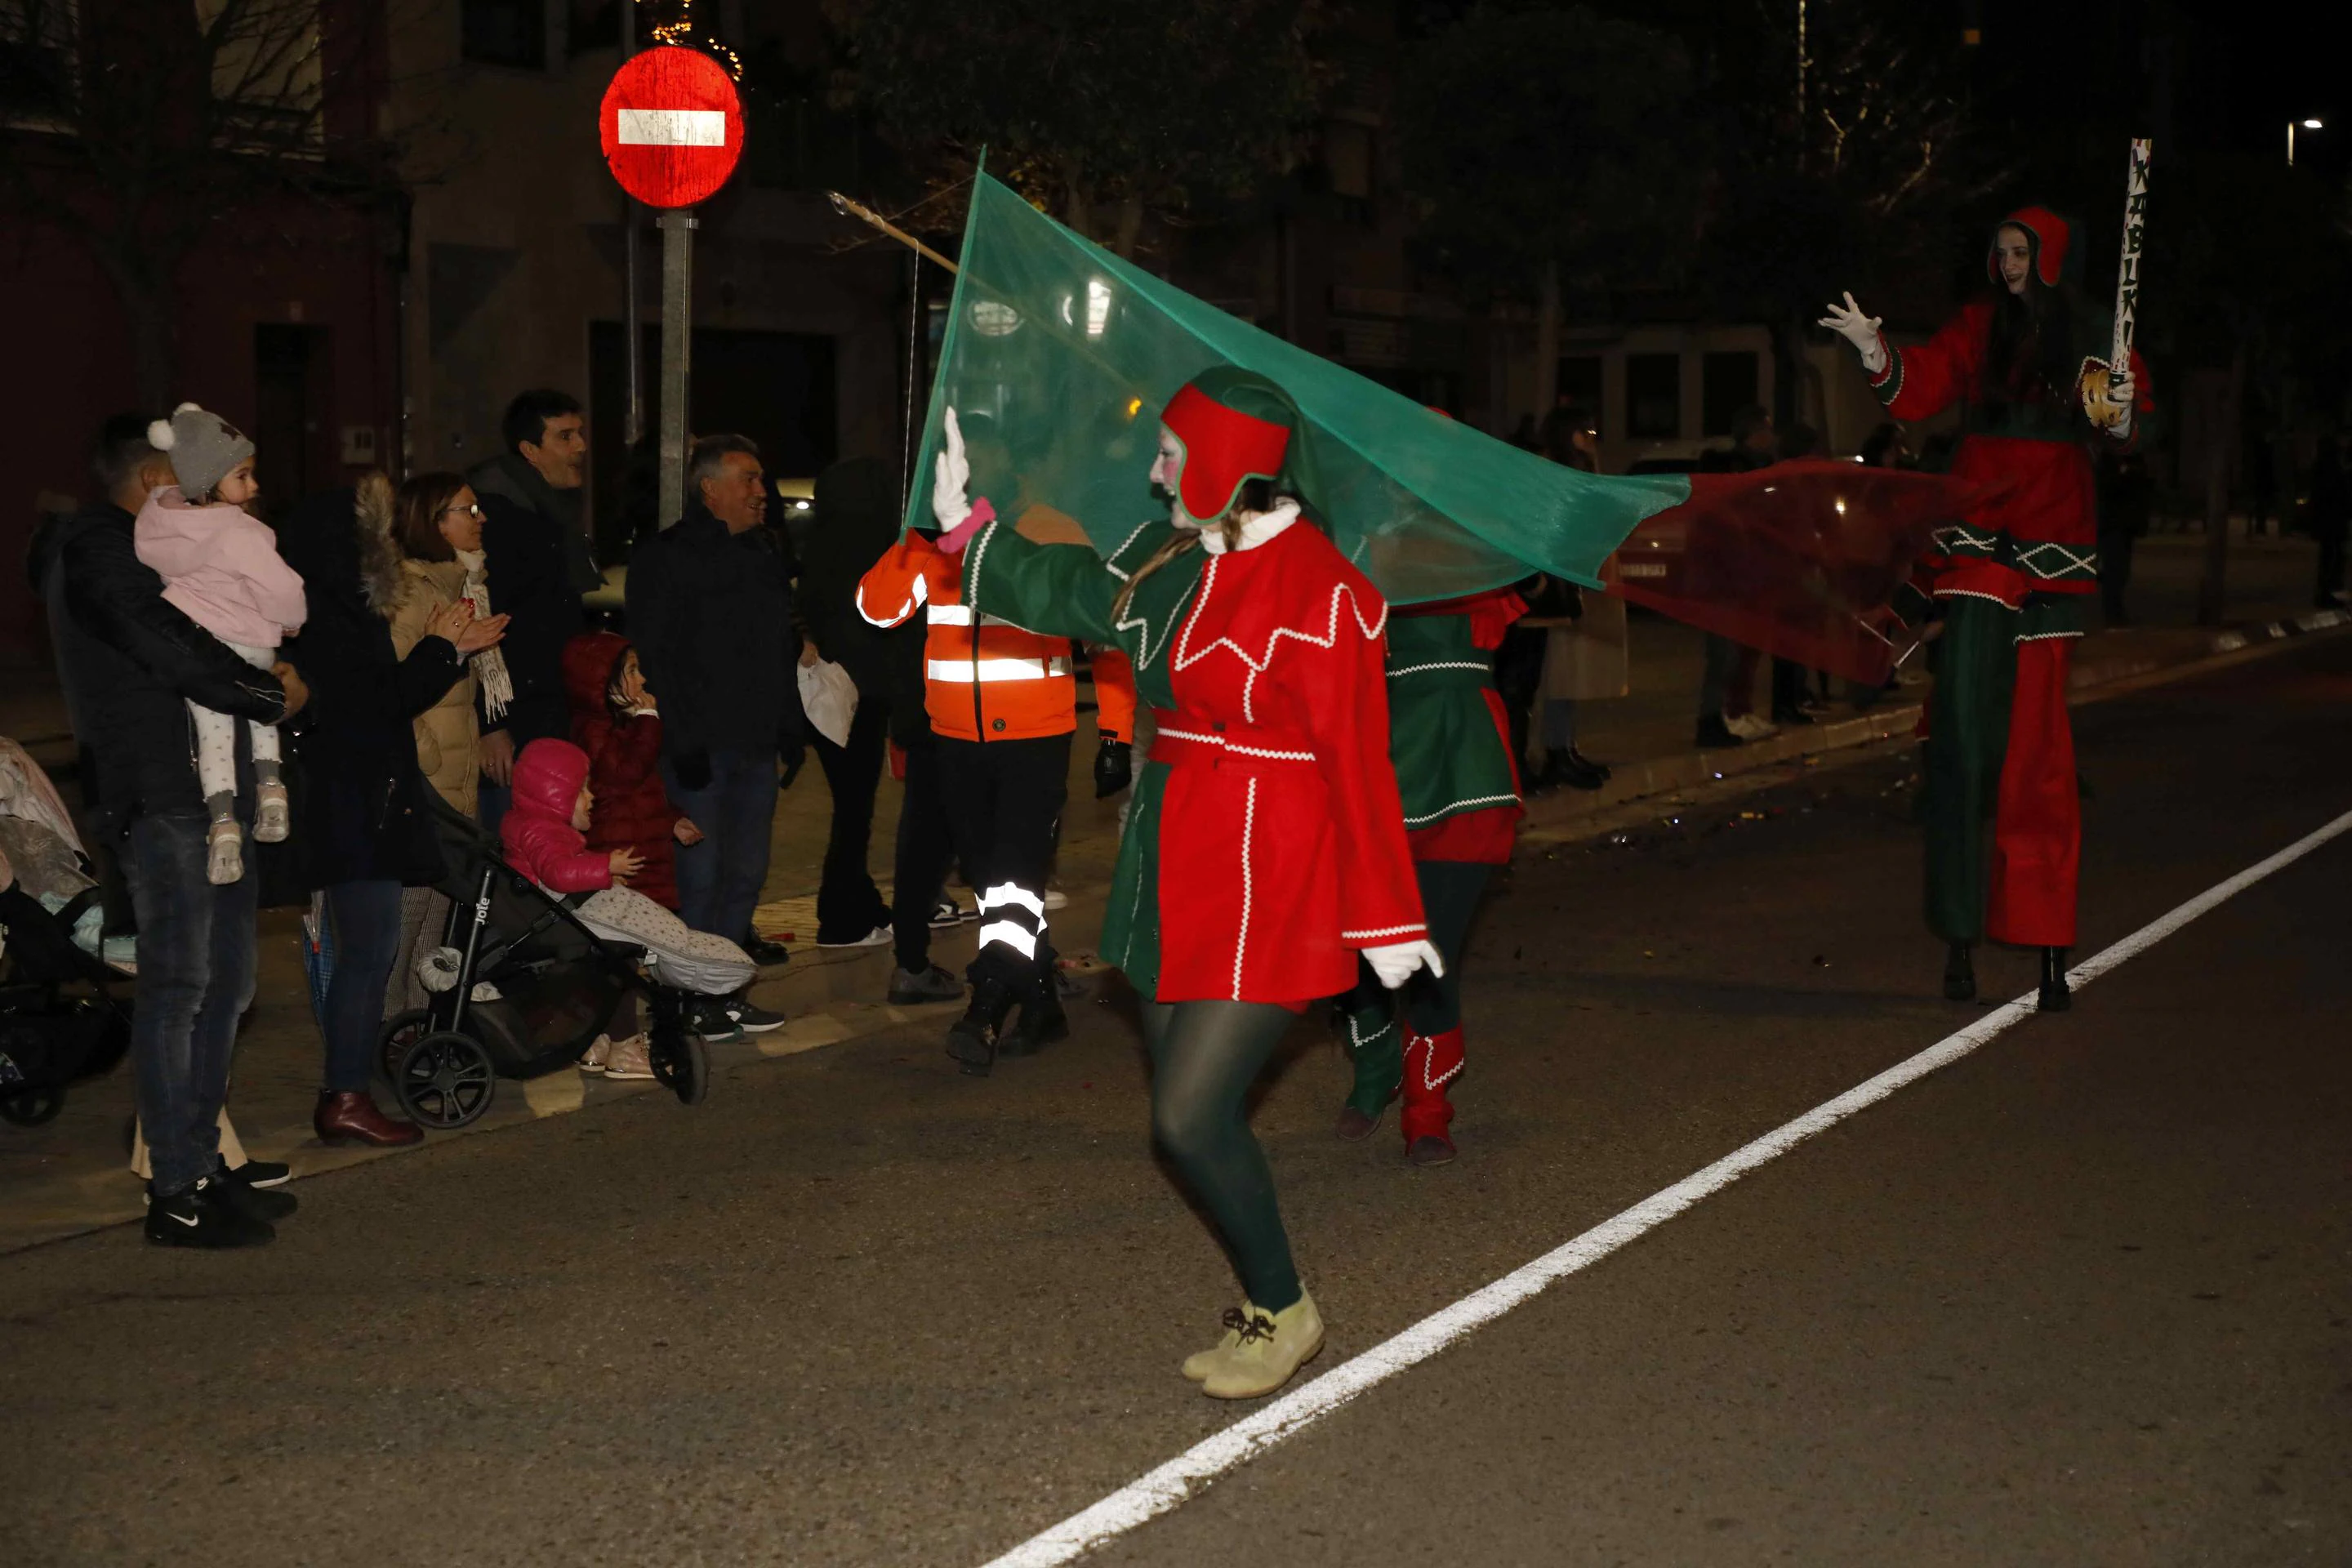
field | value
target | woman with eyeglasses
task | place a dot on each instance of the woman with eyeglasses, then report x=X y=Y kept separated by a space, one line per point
x=437 y=528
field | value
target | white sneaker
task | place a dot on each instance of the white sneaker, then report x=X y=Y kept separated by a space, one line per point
x=1749 y=727
x=1055 y=898
x=225 y=855
x=271 y=816
x=593 y=1062
x=878 y=937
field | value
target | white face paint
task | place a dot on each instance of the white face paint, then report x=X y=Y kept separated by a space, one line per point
x=1167 y=468
x=2012 y=251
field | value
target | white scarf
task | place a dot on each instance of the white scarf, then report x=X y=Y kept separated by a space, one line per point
x=490 y=665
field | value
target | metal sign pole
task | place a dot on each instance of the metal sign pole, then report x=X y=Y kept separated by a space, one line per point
x=676 y=347
x=632 y=421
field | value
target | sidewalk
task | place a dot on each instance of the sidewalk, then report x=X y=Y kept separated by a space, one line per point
x=69 y=1176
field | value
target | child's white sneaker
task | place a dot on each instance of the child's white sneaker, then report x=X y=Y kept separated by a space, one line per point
x=225 y=855
x=271 y=816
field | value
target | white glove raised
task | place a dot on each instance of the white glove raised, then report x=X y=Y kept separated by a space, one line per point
x=1848 y=322
x=952 y=476
x=1395 y=962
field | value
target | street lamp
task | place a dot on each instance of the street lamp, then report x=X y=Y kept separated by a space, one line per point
x=2307 y=125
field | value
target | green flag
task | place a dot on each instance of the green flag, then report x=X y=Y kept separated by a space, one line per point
x=1059 y=357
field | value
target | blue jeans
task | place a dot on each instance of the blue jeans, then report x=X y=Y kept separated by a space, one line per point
x=366 y=920
x=719 y=880
x=195 y=979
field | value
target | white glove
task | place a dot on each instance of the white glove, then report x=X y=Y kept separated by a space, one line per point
x=1395 y=962
x=1848 y=322
x=952 y=476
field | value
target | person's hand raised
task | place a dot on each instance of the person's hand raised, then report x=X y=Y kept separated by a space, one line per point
x=450 y=621
x=625 y=864
x=1848 y=321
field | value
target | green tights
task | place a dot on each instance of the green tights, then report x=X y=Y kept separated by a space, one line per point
x=1204 y=1057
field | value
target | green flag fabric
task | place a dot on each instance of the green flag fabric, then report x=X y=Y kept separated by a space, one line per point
x=1059 y=357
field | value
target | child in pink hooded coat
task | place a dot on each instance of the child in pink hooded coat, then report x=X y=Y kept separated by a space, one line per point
x=221 y=569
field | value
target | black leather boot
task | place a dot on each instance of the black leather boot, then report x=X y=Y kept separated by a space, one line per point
x=1042 y=1022
x=972 y=1039
x=2055 y=995
x=1960 y=975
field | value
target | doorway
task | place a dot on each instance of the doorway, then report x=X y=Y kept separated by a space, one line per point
x=291 y=378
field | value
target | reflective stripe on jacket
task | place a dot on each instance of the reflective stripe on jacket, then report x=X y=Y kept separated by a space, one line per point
x=988 y=680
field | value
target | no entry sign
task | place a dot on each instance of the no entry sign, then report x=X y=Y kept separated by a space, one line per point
x=672 y=126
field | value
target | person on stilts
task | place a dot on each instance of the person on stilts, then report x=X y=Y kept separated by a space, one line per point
x=1449 y=738
x=1264 y=850
x=2028 y=367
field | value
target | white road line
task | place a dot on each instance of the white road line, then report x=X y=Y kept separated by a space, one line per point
x=1185 y=1476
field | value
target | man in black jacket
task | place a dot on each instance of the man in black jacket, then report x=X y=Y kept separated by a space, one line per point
x=537 y=565
x=133 y=663
x=710 y=609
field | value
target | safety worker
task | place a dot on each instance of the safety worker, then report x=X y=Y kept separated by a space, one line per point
x=1004 y=705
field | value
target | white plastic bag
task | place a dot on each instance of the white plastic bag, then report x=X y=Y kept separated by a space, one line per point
x=830 y=698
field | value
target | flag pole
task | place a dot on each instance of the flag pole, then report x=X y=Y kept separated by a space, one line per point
x=848 y=208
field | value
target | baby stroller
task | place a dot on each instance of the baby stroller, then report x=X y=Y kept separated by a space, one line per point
x=520 y=988
x=59 y=1021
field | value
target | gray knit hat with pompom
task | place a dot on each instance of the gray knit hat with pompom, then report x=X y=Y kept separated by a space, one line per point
x=203 y=447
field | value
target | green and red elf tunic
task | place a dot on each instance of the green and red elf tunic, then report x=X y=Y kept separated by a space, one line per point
x=2012 y=576
x=1265 y=843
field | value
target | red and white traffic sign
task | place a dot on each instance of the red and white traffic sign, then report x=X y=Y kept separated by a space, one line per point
x=672 y=126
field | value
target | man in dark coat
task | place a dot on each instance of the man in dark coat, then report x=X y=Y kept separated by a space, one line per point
x=131 y=664
x=710 y=607
x=857 y=522
x=537 y=565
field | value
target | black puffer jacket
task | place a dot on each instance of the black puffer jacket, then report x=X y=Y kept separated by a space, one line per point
x=131 y=663
x=362 y=815
x=711 y=614
x=538 y=567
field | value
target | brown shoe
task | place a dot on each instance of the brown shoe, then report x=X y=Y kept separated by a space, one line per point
x=1431 y=1149
x=352 y=1118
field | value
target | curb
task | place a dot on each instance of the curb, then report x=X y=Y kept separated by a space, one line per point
x=1564 y=814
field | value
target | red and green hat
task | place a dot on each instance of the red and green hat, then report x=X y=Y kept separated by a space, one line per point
x=1234 y=426
x=2054 y=240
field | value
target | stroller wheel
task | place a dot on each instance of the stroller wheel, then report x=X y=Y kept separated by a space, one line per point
x=32 y=1107
x=445 y=1080
x=401 y=1031
x=681 y=1066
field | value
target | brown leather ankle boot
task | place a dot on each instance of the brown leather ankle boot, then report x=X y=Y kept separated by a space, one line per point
x=352 y=1118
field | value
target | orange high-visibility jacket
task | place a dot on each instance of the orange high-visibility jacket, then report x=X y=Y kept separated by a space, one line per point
x=984 y=678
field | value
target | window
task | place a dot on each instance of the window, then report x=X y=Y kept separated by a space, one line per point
x=1727 y=384
x=39 y=62
x=266 y=71
x=504 y=33
x=1653 y=396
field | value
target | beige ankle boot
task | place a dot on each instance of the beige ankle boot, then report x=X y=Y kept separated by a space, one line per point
x=1266 y=1351
x=1200 y=1364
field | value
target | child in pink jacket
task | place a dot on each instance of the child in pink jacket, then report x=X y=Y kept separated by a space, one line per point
x=221 y=569
x=544 y=836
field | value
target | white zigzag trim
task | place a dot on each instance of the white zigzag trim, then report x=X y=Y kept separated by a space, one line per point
x=1360 y=1040
x=1383 y=931
x=1123 y=543
x=1185 y=657
x=1241 y=942
x=1460 y=806
x=1235 y=746
x=1479 y=665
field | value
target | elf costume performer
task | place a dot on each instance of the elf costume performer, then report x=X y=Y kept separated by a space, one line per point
x=1449 y=739
x=2011 y=580
x=1265 y=849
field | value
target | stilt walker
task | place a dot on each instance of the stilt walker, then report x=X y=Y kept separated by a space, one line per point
x=1449 y=738
x=2029 y=366
x=1265 y=851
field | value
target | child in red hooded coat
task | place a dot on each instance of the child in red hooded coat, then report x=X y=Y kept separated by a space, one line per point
x=614 y=721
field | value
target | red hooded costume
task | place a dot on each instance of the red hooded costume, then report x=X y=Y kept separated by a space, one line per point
x=632 y=810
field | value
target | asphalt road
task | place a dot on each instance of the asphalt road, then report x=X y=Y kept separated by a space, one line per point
x=2083 y=1297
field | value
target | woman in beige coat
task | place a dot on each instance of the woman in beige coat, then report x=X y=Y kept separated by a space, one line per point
x=438 y=527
